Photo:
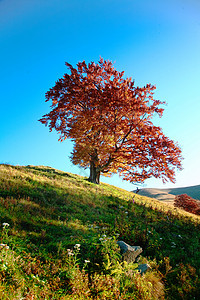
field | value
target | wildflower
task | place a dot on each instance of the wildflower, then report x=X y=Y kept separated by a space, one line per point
x=77 y=246
x=173 y=245
x=5 y=224
x=70 y=252
x=4 y=267
x=87 y=261
x=126 y=212
x=4 y=246
x=104 y=235
x=100 y=239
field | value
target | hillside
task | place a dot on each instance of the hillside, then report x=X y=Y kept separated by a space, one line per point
x=59 y=234
x=168 y=195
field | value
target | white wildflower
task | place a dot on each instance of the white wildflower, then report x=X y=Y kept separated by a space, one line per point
x=4 y=246
x=5 y=224
x=87 y=261
x=126 y=212
x=104 y=235
x=101 y=239
x=70 y=252
x=77 y=246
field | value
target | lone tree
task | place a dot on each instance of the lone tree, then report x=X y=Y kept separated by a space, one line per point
x=109 y=120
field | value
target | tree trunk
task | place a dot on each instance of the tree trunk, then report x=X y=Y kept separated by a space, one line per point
x=94 y=174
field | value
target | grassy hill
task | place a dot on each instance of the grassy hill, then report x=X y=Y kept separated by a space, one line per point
x=168 y=195
x=58 y=240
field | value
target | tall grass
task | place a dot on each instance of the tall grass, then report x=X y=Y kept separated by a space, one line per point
x=61 y=240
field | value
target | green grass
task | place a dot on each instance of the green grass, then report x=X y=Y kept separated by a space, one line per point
x=50 y=211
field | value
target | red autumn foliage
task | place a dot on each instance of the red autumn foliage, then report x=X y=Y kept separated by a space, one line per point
x=109 y=120
x=187 y=203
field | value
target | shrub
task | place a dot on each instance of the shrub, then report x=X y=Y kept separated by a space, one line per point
x=187 y=203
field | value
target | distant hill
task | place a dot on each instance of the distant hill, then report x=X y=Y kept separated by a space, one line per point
x=168 y=195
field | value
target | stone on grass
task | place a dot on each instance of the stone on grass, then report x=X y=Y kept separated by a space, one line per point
x=129 y=253
x=143 y=268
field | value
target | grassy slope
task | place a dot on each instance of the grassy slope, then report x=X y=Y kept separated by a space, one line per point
x=168 y=195
x=49 y=210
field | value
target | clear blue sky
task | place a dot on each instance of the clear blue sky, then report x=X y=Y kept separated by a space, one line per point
x=155 y=42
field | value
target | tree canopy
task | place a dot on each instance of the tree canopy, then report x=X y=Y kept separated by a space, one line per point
x=109 y=119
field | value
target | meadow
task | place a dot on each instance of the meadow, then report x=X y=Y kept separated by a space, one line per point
x=59 y=236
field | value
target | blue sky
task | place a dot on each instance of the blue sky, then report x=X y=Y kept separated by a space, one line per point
x=155 y=42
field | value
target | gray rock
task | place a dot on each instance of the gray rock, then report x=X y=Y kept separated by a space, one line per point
x=129 y=253
x=143 y=268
